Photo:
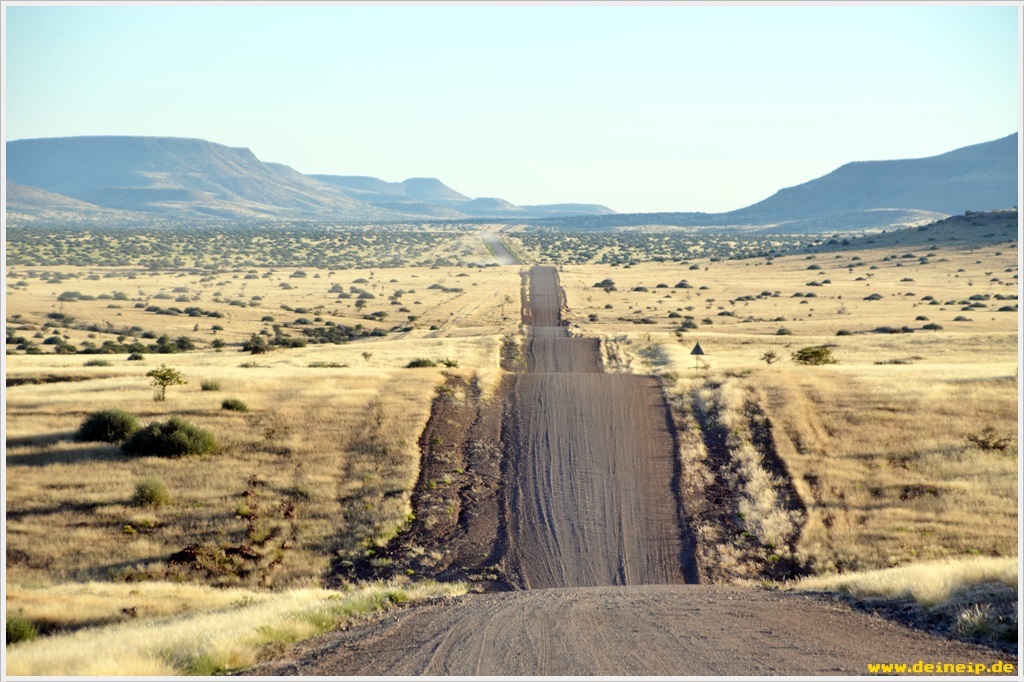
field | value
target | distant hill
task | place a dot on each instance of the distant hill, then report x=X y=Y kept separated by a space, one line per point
x=975 y=178
x=120 y=178
x=115 y=178
x=864 y=195
x=34 y=204
x=178 y=178
x=430 y=196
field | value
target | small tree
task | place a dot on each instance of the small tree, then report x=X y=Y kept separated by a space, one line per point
x=164 y=376
x=769 y=357
x=814 y=355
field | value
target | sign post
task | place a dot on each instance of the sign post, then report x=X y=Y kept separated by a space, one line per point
x=696 y=353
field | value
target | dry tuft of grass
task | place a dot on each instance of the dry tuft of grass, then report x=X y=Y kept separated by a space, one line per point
x=930 y=584
x=209 y=631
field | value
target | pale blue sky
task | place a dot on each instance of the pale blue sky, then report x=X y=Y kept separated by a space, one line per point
x=641 y=108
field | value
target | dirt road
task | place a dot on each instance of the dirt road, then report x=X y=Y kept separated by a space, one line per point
x=592 y=538
x=590 y=468
x=642 y=630
x=499 y=250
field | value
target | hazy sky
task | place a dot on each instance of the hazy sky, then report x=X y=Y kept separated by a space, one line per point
x=639 y=107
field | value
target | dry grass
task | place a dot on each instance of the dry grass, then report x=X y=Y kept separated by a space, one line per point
x=930 y=584
x=211 y=632
x=316 y=474
x=463 y=302
x=321 y=467
x=880 y=454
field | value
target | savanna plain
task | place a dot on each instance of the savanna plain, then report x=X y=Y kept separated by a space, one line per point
x=850 y=428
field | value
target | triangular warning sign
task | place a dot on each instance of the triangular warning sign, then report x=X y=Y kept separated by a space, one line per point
x=697 y=350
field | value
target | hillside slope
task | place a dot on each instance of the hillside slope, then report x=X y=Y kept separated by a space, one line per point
x=178 y=178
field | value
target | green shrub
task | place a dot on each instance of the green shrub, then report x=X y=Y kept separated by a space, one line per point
x=814 y=355
x=151 y=491
x=783 y=331
x=136 y=356
x=235 y=405
x=210 y=385
x=20 y=629
x=107 y=426
x=173 y=438
x=421 y=362
x=97 y=363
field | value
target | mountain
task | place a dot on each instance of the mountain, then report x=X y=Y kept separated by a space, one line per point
x=978 y=177
x=34 y=204
x=863 y=195
x=116 y=178
x=429 y=195
x=178 y=178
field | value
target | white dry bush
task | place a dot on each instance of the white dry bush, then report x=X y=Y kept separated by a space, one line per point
x=930 y=584
x=230 y=638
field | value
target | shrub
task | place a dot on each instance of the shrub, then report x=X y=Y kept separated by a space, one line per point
x=784 y=332
x=136 y=356
x=814 y=355
x=932 y=326
x=98 y=363
x=107 y=426
x=20 y=629
x=844 y=332
x=235 y=405
x=421 y=362
x=173 y=438
x=988 y=439
x=210 y=385
x=151 y=491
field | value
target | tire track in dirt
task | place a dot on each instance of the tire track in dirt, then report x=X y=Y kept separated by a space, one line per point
x=590 y=465
x=664 y=630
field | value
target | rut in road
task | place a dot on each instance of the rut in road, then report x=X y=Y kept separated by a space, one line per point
x=591 y=472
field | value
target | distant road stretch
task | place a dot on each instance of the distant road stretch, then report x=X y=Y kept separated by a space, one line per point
x=500 y=251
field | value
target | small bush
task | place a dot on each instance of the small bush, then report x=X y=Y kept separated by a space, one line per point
x=107 y=426
x=173 y=438
x=784 y=332
x=151 y=491
x=210 y=385
x=234 y=404
x=844 y=332
x=20 y=629
x=932 y=326
x=98 y=363
x=814 y=355
x=988 y=439
x=136 y=356
x=421 y=362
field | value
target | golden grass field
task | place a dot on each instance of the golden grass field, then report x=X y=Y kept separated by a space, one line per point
x=320 y=469
x=877 y=446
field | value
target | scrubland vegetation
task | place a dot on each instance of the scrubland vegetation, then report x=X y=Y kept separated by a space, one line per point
x=879 y=432
x=311 y=357
x=270 y=467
